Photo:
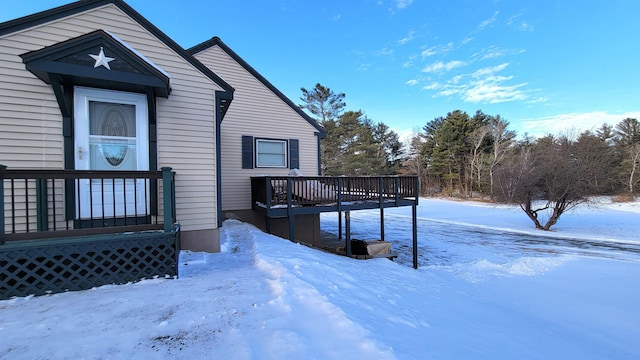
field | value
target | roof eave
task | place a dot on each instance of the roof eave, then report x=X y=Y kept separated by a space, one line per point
x=84 y=5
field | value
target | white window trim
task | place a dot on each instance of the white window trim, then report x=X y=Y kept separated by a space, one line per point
x=286 y=153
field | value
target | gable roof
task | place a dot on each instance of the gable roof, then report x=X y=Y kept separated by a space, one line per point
x=84 y=5
x=128 y=68
x=216 y=41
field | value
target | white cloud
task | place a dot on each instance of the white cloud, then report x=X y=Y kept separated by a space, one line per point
x=456 y=79
x=524 y=26
x=492 y=91
x=432 y=86
x=409 y=62
x=489 y=70
x=384 y=52
x=562 y=123
x=437 y=50
x=407 y=38
x=493 y=52
x=441 y=66
x=482 y=86
x=514 y=21
x=488 y=21
x=403 y=4
x=488 y=87
x=412 y=82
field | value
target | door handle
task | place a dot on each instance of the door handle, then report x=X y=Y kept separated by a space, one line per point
x=80 y=152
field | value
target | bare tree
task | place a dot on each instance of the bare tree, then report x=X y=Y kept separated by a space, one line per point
x=628 y=138
x=514 y=174
x=633 y=166
x=414 y=162
x=550 y=176
x=477 y=158
x=502 y=139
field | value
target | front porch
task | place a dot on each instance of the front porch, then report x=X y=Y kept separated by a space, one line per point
x=66 y=230
x=280 y=197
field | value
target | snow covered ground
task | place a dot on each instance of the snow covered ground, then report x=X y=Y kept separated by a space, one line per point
x=489 y=286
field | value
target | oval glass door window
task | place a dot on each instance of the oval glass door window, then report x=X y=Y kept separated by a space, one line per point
x=112 y=136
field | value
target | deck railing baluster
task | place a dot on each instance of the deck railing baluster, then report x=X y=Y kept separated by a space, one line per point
x=102 y=199
x=53 y=202
x=13 y=206
x=30 y=202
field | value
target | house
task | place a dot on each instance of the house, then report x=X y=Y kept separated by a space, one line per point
x=118 y=148
x=263 y=133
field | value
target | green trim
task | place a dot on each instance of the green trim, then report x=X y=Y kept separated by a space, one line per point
x=42 y=205
x=2 y=169
x=167 y=198
x=41 y=267
x=81 y=240
x=153 y=150
x=67 y=62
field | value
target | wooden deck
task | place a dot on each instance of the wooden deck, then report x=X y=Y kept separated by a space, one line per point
x=52 y=242
x=283 y=196
x=289 y=196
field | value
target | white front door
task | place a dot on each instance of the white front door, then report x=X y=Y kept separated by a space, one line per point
x=111 y=133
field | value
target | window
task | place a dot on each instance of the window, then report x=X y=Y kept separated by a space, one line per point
x=271 y=153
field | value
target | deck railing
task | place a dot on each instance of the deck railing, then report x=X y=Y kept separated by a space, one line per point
x=278 y=191
x=58 y=203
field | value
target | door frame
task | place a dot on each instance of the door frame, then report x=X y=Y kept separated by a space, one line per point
x=81 y=98
x=81 y=131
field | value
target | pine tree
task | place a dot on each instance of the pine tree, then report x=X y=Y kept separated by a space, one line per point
x=326 y=106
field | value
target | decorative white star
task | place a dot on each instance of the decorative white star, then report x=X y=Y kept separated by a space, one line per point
x=101 y=59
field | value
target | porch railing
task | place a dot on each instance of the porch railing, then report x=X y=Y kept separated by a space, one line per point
x=41 y=204
x=278 y=191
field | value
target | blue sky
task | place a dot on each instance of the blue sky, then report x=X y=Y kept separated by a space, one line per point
x=545 y=66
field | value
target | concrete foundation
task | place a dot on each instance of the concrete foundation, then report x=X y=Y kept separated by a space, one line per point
x=307 y=227
x=200 y=240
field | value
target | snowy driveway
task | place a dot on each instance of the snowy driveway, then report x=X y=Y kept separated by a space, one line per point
x=504 y=234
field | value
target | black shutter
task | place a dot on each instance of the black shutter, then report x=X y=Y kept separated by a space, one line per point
x=294 y=154
x=247 y=152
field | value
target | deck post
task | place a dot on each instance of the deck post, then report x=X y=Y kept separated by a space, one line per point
x=414 y=220
x=42 y=219
x=381 y=201
x=416 y=189
x=167 y=198
x=268 y=201
x=292 y=223
x=267 y=224
x=2 y=169
x=347 y=220
x=382 y=223
x=339 y=208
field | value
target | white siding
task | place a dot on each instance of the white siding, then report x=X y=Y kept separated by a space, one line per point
x=255 y=111
x=31 y=123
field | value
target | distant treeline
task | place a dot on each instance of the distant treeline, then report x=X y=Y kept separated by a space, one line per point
x=477 y=156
